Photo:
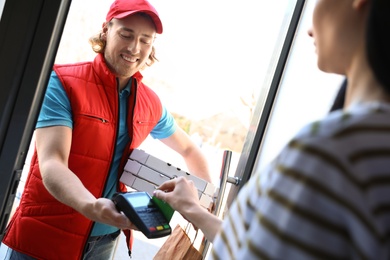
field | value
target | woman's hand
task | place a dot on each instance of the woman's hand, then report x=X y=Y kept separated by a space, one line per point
x=180 y=193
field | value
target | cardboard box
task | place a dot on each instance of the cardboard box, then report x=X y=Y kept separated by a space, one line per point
x=144 y=172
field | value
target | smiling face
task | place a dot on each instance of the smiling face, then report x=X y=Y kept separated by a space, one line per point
x=129 y=42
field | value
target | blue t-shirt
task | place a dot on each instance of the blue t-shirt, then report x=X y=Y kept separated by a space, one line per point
x=56 y=111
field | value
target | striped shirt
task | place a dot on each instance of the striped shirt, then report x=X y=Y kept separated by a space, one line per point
x=326 y=195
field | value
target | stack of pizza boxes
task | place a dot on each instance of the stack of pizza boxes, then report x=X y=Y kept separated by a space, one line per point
x=144 y=172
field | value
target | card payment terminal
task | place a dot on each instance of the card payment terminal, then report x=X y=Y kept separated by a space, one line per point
x=144 y=213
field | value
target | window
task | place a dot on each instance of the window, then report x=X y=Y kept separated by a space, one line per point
x=2 y=3
x=305 y=93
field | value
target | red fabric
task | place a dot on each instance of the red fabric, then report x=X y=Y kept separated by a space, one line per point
x=129 y=239
x=47 y=229
x=123 y=8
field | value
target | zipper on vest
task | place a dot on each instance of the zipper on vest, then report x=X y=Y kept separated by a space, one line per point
x=109 y=169
x=98 y=118
x=144 y=122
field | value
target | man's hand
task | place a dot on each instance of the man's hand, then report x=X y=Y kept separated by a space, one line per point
x=104 y=211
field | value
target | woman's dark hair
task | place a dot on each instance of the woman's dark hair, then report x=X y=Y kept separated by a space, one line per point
x=378 y=41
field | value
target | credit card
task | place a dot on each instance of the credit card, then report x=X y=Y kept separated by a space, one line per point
x=164 y=207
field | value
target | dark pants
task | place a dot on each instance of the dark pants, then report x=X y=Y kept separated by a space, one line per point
x=101 y=247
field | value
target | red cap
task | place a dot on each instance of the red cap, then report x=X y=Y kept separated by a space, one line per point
x=122 y=8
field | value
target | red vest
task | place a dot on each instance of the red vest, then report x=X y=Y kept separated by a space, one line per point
x=47 y=229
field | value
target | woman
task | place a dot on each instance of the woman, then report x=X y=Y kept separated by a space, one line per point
x=326 y=195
